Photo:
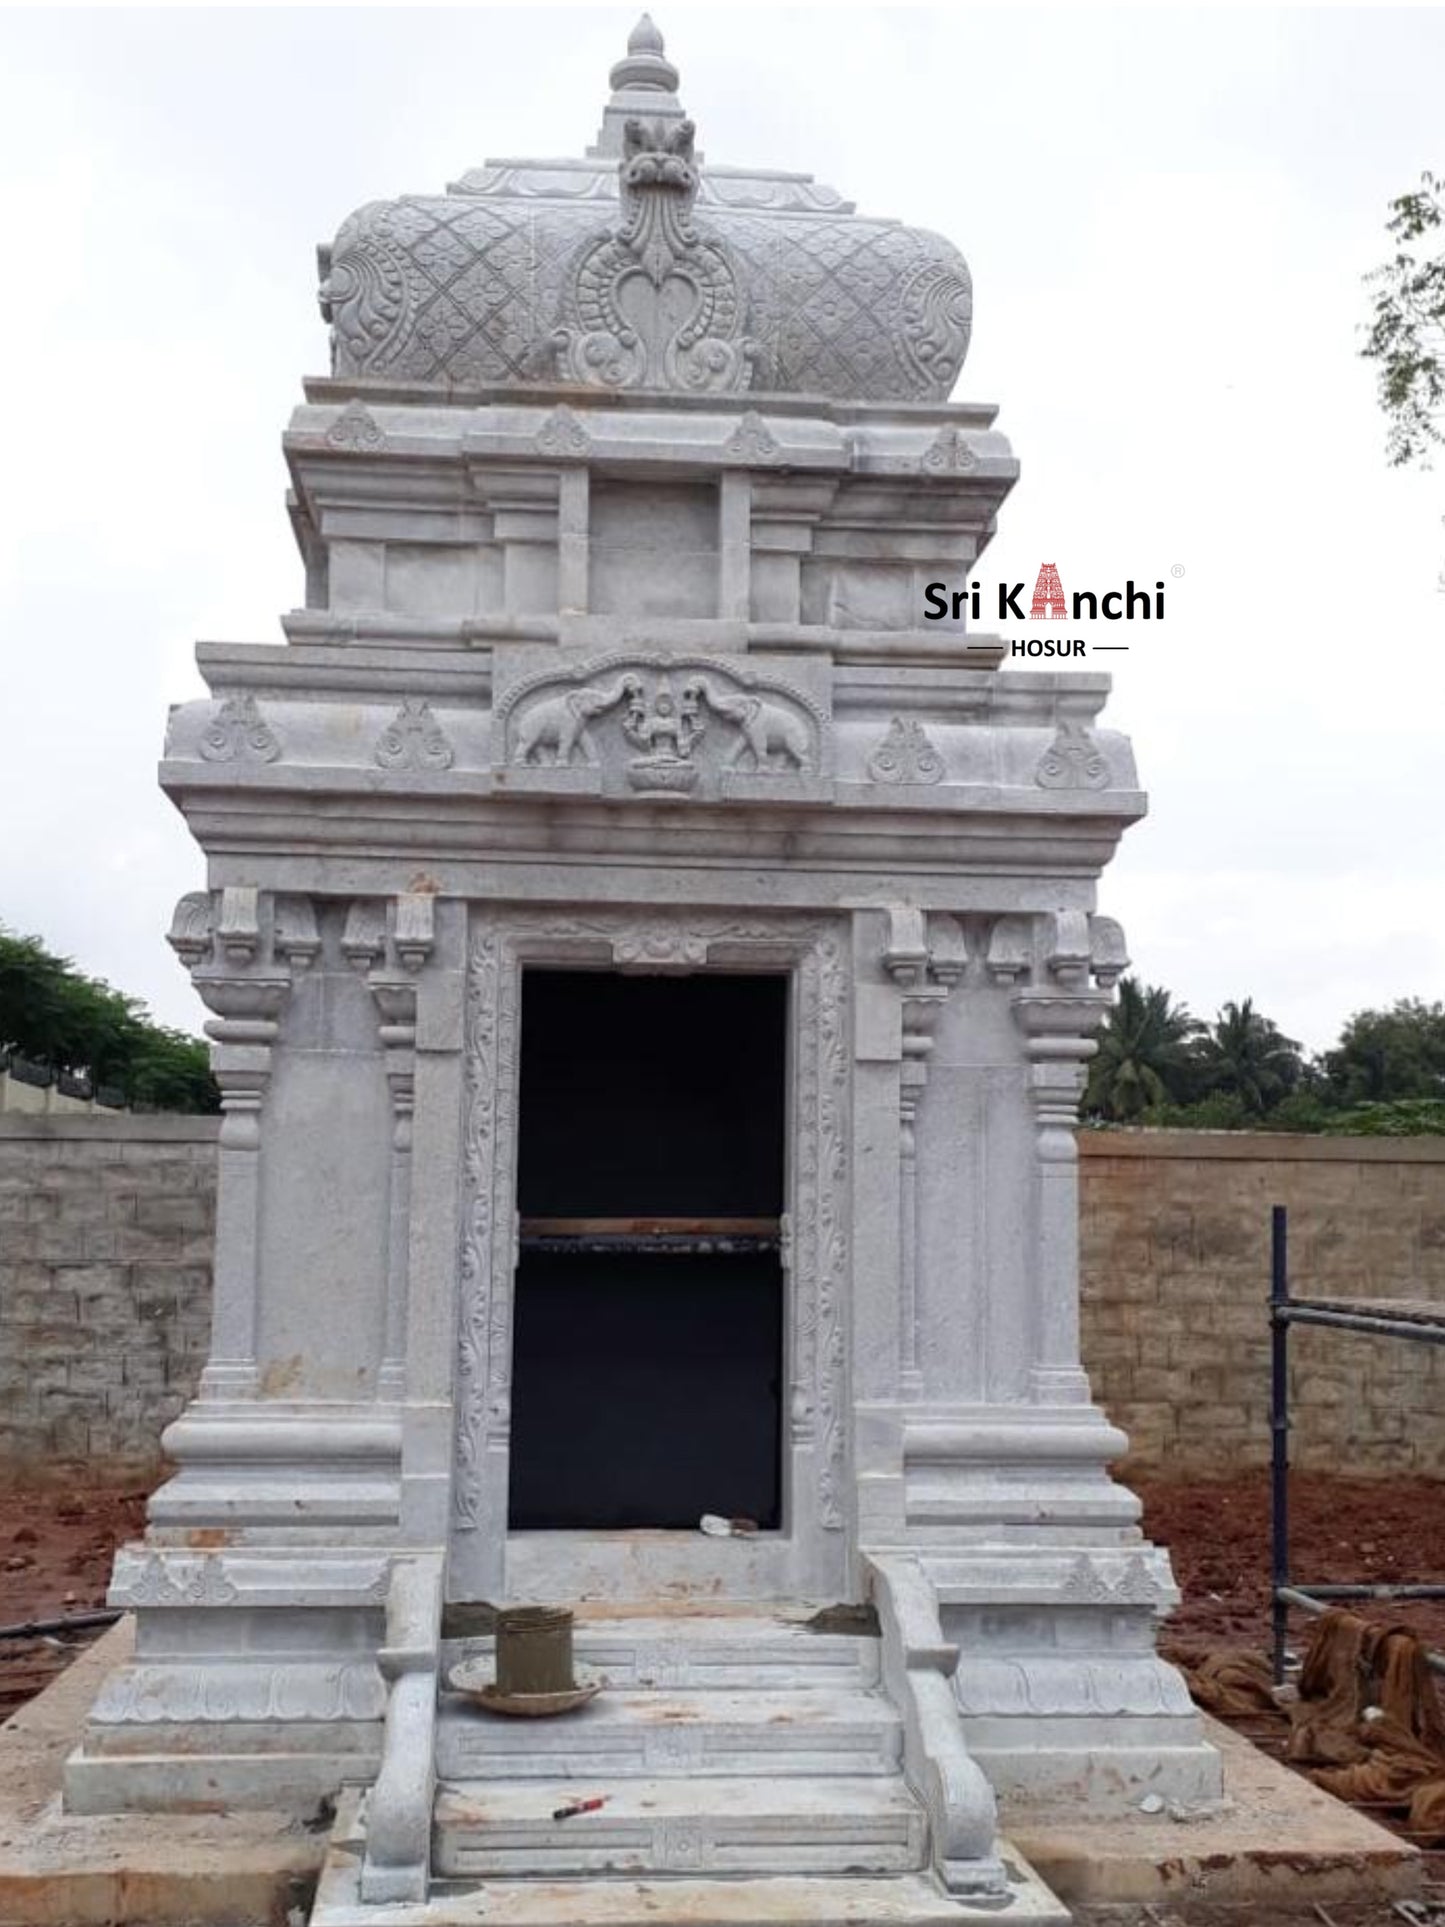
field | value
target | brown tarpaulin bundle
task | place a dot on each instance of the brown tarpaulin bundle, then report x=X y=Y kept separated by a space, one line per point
x=1367 y=1723
x=1368 y=1718
x=1232 y=1686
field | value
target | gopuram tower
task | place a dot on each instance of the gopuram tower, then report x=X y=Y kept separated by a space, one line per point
x=652 y=972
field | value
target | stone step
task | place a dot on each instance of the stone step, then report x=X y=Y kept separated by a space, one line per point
x=879 y=1900
x=687 y=1652
x=793 y=1825
x=649 y=1733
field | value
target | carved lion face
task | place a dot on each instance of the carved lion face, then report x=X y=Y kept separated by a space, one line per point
x=658 y=154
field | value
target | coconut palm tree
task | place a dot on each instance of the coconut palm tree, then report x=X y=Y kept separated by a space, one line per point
x=1244 y=1054
x=1144 y=1056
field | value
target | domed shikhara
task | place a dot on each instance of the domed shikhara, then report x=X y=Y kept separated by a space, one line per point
x=640 y=268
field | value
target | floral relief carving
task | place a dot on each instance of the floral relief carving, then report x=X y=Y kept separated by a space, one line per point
x=563 y=435
x=414 y=739
x=479 y=1159
x=905 y=755
x=249 y=1692
x=1135 y=1585
x=949 y=453
x=662 y=949
x=752 y=441
x=523 y=273
x=356 y=430
x=832 y=1236
x=936 y=304
x=157 y=1581
x=1073 y=761
x=1073 y=1687
x=239 y=733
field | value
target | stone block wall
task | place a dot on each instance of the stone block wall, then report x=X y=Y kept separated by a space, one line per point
x=106 y=1228
x=1175 y=1259
x=105 y=1284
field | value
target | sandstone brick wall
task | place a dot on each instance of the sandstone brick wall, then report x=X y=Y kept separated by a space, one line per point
x=1175 y=1246
x=106 y=1228
x=105 y=1255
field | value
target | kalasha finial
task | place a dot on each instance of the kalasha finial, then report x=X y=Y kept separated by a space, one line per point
x=644 y=38
x=645 y=66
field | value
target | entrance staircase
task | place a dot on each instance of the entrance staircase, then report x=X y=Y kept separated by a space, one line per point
x=751 y=1770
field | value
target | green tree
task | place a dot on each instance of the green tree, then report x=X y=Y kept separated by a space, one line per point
x=1386 y=1055
x=1144 y=1057
x=57 y=1017
x=1407 y=334
x=1244 y=1055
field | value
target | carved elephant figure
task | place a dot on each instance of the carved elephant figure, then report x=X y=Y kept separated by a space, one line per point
x=559 y=723
x=764 y=728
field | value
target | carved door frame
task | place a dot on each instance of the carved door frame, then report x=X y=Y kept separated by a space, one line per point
x=809 y=1557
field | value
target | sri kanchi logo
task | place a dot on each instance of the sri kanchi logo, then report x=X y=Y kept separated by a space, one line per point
x=1132 y=603
x=1048 y=596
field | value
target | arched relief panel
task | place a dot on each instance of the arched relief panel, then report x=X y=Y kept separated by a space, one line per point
x=810 y=1554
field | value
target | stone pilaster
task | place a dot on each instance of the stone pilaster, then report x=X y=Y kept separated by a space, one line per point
x=924 y=966
x=390 y=944
x=1058 y=1011
x=241 y=956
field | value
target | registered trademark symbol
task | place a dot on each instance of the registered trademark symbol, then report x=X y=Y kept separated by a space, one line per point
x=1178 y=569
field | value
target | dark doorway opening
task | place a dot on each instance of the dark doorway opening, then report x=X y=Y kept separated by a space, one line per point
x=647 y=1360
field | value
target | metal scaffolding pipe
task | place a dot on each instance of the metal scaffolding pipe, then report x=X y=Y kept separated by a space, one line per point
x=71 y=1623
x=1279 y=1428
x=1357 y=1321
x=1292 y=1596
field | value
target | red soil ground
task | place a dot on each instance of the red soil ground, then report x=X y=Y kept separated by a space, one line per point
x=56 y=1547
x=1342 y=1531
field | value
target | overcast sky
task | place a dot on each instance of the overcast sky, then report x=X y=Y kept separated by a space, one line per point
x=1167 y=215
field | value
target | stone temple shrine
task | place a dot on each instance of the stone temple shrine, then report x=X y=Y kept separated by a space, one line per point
x=651 y=973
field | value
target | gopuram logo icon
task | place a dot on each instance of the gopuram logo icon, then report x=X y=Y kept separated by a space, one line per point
x=1132 y=603
x=1048 y=596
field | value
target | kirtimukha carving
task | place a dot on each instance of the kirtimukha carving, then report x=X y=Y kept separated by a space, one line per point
x=657 y=304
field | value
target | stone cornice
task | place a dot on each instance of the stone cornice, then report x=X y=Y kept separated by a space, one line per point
x=327 y=391
x=479 y=846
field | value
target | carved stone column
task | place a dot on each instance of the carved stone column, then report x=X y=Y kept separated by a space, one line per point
x=241 y=948
x=924 y=965
x=390 y=943
x=1056 y=962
